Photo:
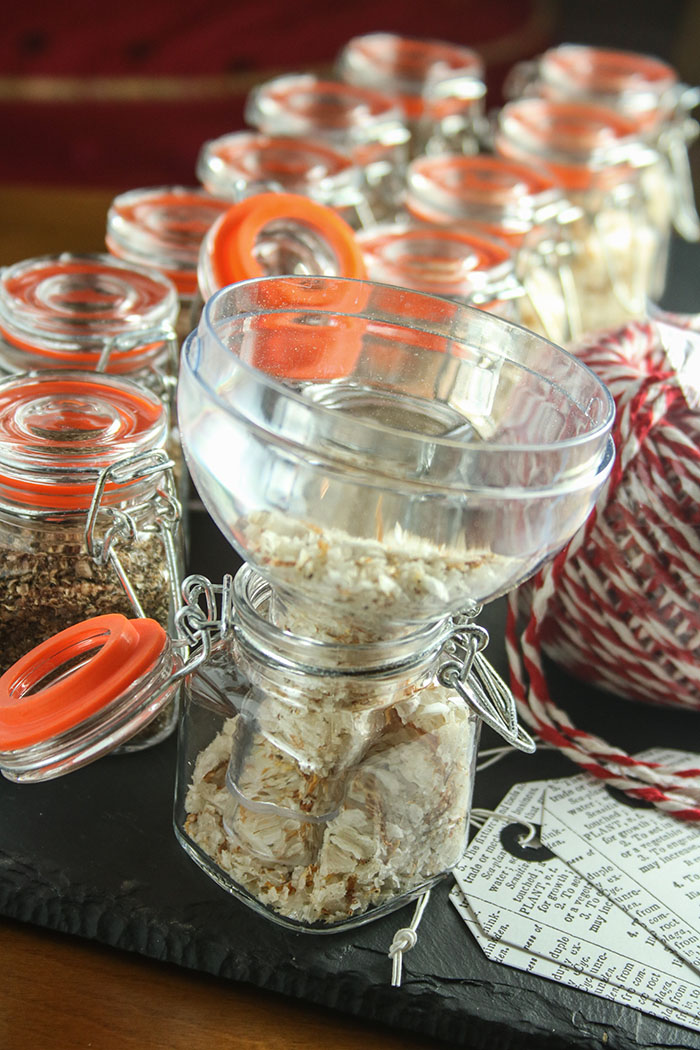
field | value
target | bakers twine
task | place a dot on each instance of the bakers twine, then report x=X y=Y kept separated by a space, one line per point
x=620 y=605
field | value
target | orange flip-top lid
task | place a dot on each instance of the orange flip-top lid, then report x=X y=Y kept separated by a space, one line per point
x=233 y=237
x=73 y=675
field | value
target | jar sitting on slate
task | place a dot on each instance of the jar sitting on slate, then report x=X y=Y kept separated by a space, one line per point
x=89 y=523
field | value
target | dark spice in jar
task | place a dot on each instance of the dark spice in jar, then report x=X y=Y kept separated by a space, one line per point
x=56 y=584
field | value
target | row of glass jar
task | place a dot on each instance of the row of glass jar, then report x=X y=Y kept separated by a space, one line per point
x=582 y=187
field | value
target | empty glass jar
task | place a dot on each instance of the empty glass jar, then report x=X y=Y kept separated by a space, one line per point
x=428 y=80
x=162 y=227
x=461 y=263
x=247 y=163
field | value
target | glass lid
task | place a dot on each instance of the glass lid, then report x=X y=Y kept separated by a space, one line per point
x=58 y=430
x=65 y=309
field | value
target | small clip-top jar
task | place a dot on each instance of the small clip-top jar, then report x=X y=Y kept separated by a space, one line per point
x=247 y=163
x=88 y=520
x=598 y=158
x=520 y=204
x=461 y=263
x=325 y=785
x=162 y=227
x=364 y=125
x=428 y=80
x=644 y=89
x=91 y=312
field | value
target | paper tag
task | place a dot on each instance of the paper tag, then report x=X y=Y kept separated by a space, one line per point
x=529 y=962
x=645 y=860
x=543 y=907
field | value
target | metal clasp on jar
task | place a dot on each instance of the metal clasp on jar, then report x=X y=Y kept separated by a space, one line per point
x=470 y=673
x=120 y=527
x=196 y=625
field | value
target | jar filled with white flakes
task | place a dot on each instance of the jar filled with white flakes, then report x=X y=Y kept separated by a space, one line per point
x=335 y=781
x=646 y=90
x=600 y=161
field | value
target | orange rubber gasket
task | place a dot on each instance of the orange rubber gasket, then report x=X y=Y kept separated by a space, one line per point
x=121 y=651
x=234 y=235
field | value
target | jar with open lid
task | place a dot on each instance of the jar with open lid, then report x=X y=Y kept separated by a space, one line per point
x=437 y=86
x=520 y=204
x=277 y=233
x=89 y=521
x=462 y=263
x=162 y=227
x=384 y=487
x=643 y=88
x=247 y=163
x=598 y=158
x=321 y=783
x=361 y=124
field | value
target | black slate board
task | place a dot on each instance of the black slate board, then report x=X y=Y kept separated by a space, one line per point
x=94 y=854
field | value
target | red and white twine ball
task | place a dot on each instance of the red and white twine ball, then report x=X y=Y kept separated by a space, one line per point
x=620 y=605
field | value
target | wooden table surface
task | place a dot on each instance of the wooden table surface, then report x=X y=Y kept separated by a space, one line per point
x=66 y=993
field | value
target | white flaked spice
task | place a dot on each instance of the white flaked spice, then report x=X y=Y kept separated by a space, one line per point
x=399 y=822
x=368 y=583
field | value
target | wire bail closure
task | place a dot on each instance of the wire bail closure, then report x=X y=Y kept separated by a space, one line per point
x=121 y=527
x=470 y=673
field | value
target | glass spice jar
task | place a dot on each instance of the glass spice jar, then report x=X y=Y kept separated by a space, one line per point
x=95 y=313
x=644 y=89
x=359 y=123
x=409 y=72
x=162 y=227
x=520 y=204
x=89 y=522
x=321 y=784
x=460 y=263
x=598 y=158
x=246 y=163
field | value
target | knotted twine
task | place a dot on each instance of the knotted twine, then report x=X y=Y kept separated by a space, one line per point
x=620 y=605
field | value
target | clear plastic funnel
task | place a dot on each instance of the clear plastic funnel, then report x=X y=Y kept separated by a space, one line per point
x=384 y=456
